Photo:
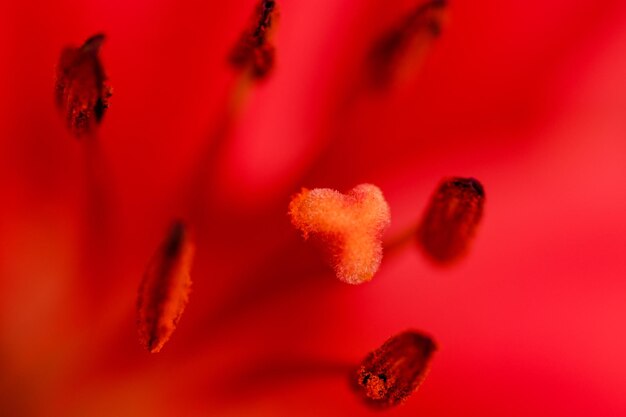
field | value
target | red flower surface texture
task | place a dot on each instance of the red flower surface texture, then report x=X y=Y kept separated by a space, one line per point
x=221 y=117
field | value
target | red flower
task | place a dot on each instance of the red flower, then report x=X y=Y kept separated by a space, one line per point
x=528 y=97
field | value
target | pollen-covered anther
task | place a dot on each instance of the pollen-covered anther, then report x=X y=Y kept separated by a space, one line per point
x=390 y=374
x=81 y=89
x=254 y=52
x=398 y=52
x=451 y=219
x=349 y=227
x=164 y=290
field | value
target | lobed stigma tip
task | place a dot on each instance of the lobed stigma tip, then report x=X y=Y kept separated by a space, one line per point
x=349 y=227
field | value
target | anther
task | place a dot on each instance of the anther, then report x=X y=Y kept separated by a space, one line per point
x=391 y=373
x=401 y=48
x=349 y=227
x=451 y=219
x=164 y=290
x=254 y=51
x=81 y=88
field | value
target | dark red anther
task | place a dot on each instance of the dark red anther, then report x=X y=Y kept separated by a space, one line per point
x=81 y=88
x=390 y=374
x=164 y=290
x=254 y=52
x=400 y=49
x=451 y=219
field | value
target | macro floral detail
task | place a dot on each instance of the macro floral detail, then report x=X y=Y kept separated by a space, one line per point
x=164 y=290
x=82 y=92
x=398 y=53
x=451 y=219
x=476 y=269
x=389 y=374
x=348 y=226
x=254 y=52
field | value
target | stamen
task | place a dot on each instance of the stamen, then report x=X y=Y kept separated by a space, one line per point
x=254 y=51
x=451 y=219
x=390 y=374
x=81 y=89
x=401 y=48
x=349 y=227
x=164 y=290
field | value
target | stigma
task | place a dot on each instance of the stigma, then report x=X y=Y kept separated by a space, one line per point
x=348 y=226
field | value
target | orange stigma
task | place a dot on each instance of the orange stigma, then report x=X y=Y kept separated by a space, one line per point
x=349 y=226
x=451 y=220
x=164 y=290
x=391 y=373
x=81 y=88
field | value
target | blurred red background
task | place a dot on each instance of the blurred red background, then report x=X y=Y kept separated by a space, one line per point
x=527 y=96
